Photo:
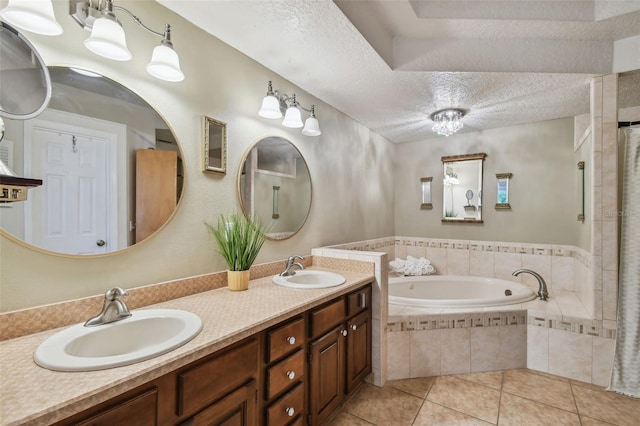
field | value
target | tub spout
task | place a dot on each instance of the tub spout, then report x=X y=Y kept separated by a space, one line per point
x=543 y=294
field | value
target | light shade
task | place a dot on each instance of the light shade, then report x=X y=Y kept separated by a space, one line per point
x=292 y=118
x=35 y=16
x=447 y=121
x=270 y=107
x=165 y=64
x=311 y=127
x=108 y=39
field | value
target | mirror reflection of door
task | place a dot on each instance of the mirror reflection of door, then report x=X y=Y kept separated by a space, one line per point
x=70 y=212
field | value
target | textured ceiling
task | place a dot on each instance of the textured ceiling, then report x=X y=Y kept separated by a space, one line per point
x=390 y=63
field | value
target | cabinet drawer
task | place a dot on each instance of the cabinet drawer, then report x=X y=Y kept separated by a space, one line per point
x=285 y=373
x=327 y=317
x=140 y=410
x=216 y=377
x=359 y=300
x=284 y=339
x=287 y=408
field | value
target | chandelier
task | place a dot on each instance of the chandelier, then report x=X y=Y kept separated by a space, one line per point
x=447 y=121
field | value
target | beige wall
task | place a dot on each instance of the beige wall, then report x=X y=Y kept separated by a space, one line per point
x=542 y=190
x=350 y=166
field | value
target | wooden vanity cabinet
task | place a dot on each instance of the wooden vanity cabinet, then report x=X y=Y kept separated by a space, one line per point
x=339 y=351
x=295 y=373
x=220 y=389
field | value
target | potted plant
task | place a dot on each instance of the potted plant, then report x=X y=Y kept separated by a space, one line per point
x=239 y=239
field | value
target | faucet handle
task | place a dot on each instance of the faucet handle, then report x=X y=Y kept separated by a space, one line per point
x=115 y=293
x=293 y=258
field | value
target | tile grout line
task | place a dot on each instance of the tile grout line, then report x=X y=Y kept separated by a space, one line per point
x=500 y=399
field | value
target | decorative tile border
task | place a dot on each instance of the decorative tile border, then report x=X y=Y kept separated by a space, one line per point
x=573 y=325
x=582 y=256
x=501 y=319
x=452 y=321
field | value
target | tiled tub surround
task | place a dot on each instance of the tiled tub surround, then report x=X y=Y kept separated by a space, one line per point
x=565 y=336
x=33 y=395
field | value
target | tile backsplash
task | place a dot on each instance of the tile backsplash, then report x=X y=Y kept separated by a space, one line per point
x=26 y=321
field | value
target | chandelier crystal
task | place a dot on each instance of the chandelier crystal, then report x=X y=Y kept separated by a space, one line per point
x=447 y=121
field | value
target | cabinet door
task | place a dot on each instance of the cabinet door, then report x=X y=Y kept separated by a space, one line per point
x=326 y=384
x=236 y=409
x=137 y=411
x=358 y=349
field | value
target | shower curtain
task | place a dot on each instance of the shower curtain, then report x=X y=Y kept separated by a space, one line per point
x=625 y=376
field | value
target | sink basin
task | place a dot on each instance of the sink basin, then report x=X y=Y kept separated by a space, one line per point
x=310 y=279
x=144 y=335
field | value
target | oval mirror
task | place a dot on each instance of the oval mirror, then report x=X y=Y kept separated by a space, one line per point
x=25 y=86
x=111 y=168
x=274 y=184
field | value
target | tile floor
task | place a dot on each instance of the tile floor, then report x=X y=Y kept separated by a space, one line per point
x=511 y=397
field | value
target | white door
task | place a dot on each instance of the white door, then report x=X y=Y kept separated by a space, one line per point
x=69 y=211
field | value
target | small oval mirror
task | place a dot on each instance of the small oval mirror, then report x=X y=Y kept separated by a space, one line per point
x=274 y=184
x=25 y=84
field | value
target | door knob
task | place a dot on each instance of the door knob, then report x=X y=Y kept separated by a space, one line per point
x=100 y=243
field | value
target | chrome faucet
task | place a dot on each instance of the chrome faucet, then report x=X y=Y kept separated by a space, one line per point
x=543 y=294
x=114 y=308
x=291 y=262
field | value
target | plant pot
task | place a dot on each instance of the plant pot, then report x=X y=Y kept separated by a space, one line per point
x=238 y=280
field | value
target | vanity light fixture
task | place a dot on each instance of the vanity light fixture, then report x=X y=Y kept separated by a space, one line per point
x=447 y=121
x=108 y=37
x=275 y=103
x=35 y=16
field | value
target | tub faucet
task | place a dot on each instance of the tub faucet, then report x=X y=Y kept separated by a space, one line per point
x=114 y=308
x=291 y=262
x=543 y=294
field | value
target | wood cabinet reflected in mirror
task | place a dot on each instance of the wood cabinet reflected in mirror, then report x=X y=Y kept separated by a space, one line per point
x=83 y=146
x=274 y=162
x=462 y=188
x=214 y=145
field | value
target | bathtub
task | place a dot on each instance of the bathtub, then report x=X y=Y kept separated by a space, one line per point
x=456 y=291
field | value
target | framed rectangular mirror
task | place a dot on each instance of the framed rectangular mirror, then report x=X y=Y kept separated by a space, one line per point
x=425 y=184
x=462 y=188
x=502 y=191
x=214 y=145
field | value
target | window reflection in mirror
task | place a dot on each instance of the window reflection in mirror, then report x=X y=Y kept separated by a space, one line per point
x=85 y=148
x=462 y=188
x=274 y=162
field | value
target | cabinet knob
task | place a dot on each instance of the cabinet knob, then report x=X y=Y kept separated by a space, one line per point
x=290 y=411
x=345 y=332
x=291 y=375
x=354 y=327
x=291 y=340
